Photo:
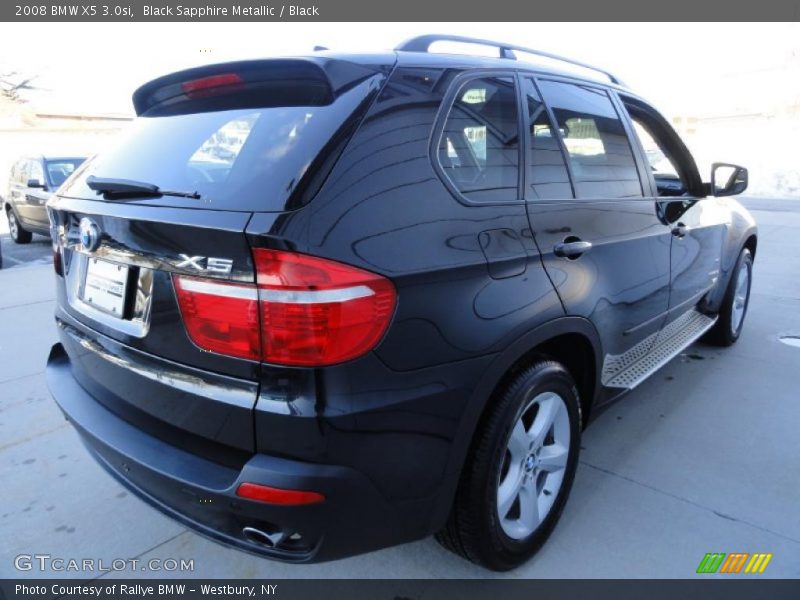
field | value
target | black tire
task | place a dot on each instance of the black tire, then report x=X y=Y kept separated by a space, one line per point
x=724 y=333
x=473 y=529
x=19 y=234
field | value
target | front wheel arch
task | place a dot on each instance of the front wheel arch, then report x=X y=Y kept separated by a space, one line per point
x=751 y=243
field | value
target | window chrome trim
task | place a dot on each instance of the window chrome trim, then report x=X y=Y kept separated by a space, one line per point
x=212 y=288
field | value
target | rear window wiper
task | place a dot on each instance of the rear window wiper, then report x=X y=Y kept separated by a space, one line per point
x=130 y=188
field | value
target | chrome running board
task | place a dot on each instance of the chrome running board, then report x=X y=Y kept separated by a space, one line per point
x=628 y=370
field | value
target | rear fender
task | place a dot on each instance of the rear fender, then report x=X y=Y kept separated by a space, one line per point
x=481 y=396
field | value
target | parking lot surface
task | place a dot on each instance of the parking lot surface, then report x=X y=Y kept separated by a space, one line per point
x=23 y=255
x=702 y=457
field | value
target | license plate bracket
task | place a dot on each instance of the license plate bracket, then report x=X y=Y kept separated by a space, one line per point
x=105 y=286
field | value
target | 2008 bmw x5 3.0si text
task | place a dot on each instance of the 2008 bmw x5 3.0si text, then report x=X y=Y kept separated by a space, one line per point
x=316 y=306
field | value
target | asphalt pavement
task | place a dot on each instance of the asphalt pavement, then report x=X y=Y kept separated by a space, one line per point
x=702 y=457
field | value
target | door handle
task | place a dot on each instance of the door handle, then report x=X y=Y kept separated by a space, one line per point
x=572 y=249
x=680 y=230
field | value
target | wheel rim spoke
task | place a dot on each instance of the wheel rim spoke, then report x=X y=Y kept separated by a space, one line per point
x=553 y=458
x=518 y=443
x=740 y=297
x=549 y=406
x=529 y=516
x=509 y=490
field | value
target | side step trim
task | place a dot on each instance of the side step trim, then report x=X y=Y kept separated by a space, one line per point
x=669 y=342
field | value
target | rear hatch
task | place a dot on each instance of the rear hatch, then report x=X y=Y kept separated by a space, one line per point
x=211 y=147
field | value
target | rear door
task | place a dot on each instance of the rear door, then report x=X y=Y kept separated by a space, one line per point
x=149 y=278
x=601 y=239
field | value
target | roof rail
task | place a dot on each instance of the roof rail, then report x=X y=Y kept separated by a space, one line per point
x=423 y=43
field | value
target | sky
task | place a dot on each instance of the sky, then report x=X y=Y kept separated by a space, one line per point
x=685 y=69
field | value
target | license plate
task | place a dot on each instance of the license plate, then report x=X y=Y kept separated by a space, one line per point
x=105 y=285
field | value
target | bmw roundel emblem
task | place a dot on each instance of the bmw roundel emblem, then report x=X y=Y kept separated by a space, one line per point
x=90 y=235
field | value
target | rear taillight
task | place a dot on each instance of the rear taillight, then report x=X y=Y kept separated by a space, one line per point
x=303 y=311
x=318 y=312
x=220 y=317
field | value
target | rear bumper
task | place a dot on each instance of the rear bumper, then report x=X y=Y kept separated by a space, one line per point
x=354 y=518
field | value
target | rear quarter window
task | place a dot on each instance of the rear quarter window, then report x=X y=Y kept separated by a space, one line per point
x=479 y=145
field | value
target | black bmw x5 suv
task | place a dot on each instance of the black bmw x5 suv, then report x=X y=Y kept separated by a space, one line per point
x=316 y=306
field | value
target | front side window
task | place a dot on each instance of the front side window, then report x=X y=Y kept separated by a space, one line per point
x=599 y=151
x=23 y=171
x=662 y=165
x=35 y=171
x=479 y=147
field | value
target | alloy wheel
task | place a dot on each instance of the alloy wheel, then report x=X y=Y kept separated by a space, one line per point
x=740 y=296
x=534 y=465
x=12 y=224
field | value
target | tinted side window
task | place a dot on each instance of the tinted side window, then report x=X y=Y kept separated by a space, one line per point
x=22 y=171
x=547 y=175
x=35 y=171
x=59 y=170
x=599 y=150
x=479 y=147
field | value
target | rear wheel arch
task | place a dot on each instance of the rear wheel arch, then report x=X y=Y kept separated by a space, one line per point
x=574 y=351
x=555 y=340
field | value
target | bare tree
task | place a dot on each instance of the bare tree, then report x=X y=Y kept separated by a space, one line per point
x=12 y=83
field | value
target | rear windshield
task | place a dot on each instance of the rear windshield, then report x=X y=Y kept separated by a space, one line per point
x=253 y=159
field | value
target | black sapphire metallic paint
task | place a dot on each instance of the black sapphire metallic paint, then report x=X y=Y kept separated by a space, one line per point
x=480 y=289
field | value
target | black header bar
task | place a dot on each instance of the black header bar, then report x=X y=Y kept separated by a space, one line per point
x=407 y=10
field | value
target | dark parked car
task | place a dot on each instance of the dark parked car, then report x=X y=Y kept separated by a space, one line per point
x=389 y=308
x=33 y=180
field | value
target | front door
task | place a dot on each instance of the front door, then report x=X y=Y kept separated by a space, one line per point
x=36 y=197
x=697 y=223
x=600 y=236
x=17 y=188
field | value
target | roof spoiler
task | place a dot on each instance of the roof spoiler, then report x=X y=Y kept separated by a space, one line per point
x=313 y=81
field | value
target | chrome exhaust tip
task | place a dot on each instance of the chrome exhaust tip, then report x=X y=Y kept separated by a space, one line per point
x=264 y=538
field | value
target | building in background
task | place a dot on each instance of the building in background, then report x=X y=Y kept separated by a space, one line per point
x=756 y=124
x=26 y=130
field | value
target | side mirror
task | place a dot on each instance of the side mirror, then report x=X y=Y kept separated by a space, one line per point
x=728 y=180
x=35 y=183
